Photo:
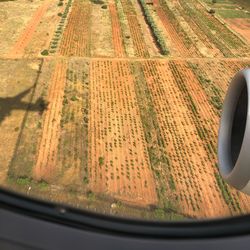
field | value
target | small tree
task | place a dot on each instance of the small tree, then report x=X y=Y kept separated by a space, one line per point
x=211 y=11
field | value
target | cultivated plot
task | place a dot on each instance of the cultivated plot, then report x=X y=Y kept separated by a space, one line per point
x=118 y=157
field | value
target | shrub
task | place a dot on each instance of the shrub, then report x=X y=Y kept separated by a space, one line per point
x=45 y=52
x=90 y=195
x=86 y=180
x=211 y=11
x=73 y=98
x=101 y=160
x=159 y=213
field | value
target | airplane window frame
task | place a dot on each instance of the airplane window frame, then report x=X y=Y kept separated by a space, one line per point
x=87 y=220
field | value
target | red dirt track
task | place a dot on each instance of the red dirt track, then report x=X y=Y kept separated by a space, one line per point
x=26 y=36
x=116 y=32
x=47 y=154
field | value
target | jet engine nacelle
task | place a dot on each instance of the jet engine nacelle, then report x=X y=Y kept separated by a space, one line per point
x=234 y=133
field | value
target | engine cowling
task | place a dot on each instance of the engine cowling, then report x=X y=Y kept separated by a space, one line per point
x=234 y=133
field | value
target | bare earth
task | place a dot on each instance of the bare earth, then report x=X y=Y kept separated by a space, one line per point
x=26 y=36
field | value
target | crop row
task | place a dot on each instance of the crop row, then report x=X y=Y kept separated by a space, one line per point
x=201 y=38
x=76 y=37
x=206 y=132
x=156 y=32
x=212 y=91
x=179 y=39
x=135 y=29
x=159 y=158
x=182 y=144
x=59 y=31
x=188 y=127
x=125 y=30
x=220 y=35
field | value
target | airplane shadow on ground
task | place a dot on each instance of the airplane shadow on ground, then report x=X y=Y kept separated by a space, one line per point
x=8 y=104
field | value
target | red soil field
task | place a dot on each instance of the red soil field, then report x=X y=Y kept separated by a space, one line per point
x=76 y=36
x=209 y=119
x=118 y=158
x=191 y=178
x=225 y=70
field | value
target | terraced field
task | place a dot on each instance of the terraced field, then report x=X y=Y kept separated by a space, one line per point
x=114 y=106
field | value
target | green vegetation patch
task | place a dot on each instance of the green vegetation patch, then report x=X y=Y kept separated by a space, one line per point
x=224 y=39
x=212 y=91
x=226 y=193
x=97 y=2
x=233 y=13
x=218 y=1
x=162 y=214
x=23 y=181
x=101 y=161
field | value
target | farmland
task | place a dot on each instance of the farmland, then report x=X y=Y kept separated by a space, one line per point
x=114 y=106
